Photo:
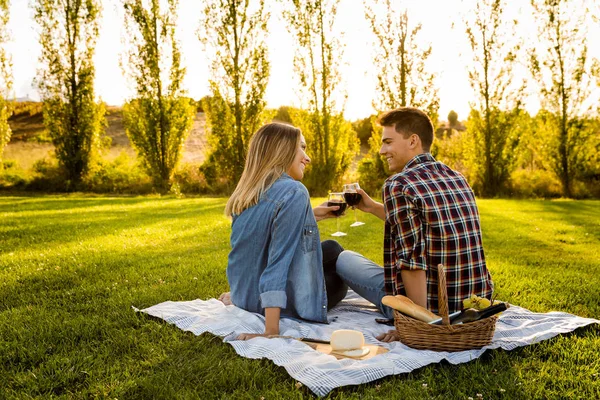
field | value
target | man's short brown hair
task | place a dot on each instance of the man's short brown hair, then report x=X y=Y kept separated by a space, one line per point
x=409 y=120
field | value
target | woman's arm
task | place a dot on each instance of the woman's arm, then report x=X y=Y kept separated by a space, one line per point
x=271 y=325
x=323 y=211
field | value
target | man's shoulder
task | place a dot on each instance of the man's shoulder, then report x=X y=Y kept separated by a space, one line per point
x=425 y=177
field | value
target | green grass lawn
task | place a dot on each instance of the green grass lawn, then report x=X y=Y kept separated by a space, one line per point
x=71 y=267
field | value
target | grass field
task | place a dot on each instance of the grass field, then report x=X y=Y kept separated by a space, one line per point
x=72 y=266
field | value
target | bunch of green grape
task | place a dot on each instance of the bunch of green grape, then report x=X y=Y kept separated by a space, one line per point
x=476 y=302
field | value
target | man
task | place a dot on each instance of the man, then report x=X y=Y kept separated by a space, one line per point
x=430 y=218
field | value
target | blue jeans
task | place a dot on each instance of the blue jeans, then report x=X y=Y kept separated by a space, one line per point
x=364 y=277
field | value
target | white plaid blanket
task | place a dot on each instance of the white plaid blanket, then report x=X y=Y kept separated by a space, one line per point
x=322 y=373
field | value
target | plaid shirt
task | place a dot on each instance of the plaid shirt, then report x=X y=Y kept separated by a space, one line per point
x=431 y=219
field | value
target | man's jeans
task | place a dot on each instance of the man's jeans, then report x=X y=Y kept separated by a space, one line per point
x=364 y=277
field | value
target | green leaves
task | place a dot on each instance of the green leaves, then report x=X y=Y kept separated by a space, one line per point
x=160 y=118
x=234 y=33
x=74 y=120
x=6 y=80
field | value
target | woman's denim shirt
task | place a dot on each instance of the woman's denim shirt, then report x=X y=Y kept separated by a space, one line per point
x=276 y=258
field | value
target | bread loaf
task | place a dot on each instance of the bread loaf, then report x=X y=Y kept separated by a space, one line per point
x=408 y=307
x=346 y=339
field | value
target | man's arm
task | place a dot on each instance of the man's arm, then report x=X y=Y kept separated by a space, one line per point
x=415 y=284
x=368 y=205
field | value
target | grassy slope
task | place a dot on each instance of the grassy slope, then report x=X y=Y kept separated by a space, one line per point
x=71 y=267
x=30 y=141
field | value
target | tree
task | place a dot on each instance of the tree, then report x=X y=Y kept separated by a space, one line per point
x=331 y=140
x=6 y=80
x=160 y=117
x=452 y=118
x=402 y=77
x=234 y=32
x=498 y=99
x=69 y=30
x=565 y=72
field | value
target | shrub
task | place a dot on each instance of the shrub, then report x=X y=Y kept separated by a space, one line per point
x=49 y=176
x=11 y=175
x=122 y=175
x=190 y=179
x=535 y=183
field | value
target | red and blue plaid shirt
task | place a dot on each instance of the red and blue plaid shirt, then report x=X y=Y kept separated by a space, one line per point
x=431 y=219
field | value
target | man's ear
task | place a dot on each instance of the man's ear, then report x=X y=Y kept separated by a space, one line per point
x=415 y=141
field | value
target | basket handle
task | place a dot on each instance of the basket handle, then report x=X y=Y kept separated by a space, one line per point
x=442 y=295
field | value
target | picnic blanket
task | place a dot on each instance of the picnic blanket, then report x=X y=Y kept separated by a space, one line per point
x=322 y=373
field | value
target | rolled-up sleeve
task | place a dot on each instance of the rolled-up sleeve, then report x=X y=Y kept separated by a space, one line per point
x=404 y=220
x=286 y=235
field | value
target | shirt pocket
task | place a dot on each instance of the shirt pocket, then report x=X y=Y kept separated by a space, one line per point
x=309 y=238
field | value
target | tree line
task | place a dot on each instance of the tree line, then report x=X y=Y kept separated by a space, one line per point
x=501 y=137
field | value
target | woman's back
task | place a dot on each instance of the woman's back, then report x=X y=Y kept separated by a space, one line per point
x=276 y=258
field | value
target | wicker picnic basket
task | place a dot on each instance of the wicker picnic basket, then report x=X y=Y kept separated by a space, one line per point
x=445 y=337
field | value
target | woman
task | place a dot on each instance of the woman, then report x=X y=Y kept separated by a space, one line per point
x=277 y=265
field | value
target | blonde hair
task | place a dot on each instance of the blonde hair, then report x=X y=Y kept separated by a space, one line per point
x=271 y=152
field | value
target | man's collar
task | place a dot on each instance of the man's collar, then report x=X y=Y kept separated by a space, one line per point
x=419 y=159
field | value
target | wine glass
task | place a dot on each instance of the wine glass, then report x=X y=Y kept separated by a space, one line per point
x=352 y=199
x=337 y=199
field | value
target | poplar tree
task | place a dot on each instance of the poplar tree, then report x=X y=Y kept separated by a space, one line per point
x=68 y=35
x=160 y=117
x=565 y=72
x=5 y=80
x=233 y=33
x=403 y=78
x=498 y=97
x=331 y=141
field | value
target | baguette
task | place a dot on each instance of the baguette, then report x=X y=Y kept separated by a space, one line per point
x=408 y=307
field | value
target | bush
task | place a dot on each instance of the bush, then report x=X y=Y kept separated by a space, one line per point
x=536 y=183
x=190 y=179
x=11 y=175
x=123 y=175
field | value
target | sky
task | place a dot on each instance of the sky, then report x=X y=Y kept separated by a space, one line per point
x=449 y=59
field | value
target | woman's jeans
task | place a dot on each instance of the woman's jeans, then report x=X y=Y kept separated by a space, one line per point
x=364 y=277
x=336 y=288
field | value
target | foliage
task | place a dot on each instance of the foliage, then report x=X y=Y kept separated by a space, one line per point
x=403 y=78
x=234 y=32
x=452 y=118
x=283 y=115
x=331 y=140
x=6 y=80
x=498 y=99
x=491 y=150
x=451 y=148
x=160 y=117
x=372 y=169
x=325 y=171
x=68 y=34
x=364 y=129
x=121 y=175
x=565 y=72
x=72 y=266
x=27 y=108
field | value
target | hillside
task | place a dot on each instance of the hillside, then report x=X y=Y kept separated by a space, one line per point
x=30 y=141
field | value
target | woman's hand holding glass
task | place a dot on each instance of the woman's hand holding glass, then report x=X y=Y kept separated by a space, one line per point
x=323 y=211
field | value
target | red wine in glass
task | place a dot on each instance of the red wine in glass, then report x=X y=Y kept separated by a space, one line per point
x=352 y=198
x=337 y=199
x=342 y=207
